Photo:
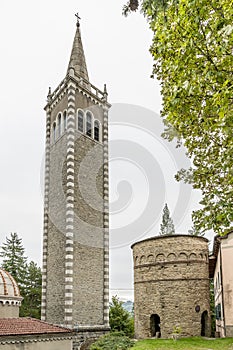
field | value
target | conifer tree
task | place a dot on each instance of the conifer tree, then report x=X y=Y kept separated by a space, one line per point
x=120 y=320
x=31 y=305
x=27 y=276
x=167 y=226
x=14 y=260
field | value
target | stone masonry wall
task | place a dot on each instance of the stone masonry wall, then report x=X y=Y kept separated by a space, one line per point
x=171 y=280
x=88 y=224
x=88 y=232
x=56 y=236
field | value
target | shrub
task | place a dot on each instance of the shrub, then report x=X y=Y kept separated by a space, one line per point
x=120 y=320
x=113 y=341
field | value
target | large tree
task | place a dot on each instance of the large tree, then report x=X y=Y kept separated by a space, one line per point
x=13 y=259
x=193 y=58
x=28 y=276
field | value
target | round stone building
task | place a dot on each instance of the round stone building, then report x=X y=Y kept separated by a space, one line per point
x=171 y=286
x=10 y=298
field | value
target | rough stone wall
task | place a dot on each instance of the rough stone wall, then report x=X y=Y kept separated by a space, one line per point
x=56 y=235
x=83 y=338
x=88 y=261
x=229 y=331
x=88 y=232
x=171 y=279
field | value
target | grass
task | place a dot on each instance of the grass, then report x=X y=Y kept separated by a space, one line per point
x=196 y=343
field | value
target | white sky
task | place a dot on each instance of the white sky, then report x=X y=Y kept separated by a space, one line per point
x=36 y=39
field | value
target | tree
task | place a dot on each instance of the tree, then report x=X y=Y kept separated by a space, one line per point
x=31 y=305
x=167 y=226
x=120 y=320
x=192 y=50
x=27 y=276
x=13 y=259
x=194 y=232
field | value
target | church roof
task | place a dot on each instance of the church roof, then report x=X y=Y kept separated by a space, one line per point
x=77 y=58
x=8 y=285
x=28 y=326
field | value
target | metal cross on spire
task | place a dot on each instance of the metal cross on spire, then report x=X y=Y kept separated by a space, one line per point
x=78 y=18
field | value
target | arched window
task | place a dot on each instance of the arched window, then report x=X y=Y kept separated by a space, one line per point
x=80 y=121
x=59 y=125
x=97 y=130
x=89 y=124
x=64 y=121
x=54 y=132
x=155 y=326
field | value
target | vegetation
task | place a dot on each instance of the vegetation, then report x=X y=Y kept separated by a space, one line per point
x=113 y=341
x=13 y=258
x=31 y=305
x=120 y=320
x=27 y=275
x=167 y=226
x=192 y=51
x=194 y=232
x=185 y=343
x=212 y=308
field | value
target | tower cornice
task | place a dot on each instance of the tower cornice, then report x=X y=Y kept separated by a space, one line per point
x=85 y=87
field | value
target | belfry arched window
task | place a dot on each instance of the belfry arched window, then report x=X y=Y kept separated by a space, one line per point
x=96 y=130
x=64 y=121
x=80 y=121
x=54 y=132
x=88 y=124
x=59 y=125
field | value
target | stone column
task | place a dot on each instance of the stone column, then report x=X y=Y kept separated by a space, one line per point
x=46 y=213
x=106 y=216
x=69 y=257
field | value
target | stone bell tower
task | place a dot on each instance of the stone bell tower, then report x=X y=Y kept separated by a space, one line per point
x=75 y=290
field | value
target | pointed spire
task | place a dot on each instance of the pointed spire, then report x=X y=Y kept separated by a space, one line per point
x=77 y=58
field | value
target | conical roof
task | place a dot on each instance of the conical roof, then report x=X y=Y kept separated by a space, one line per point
x=77 y=58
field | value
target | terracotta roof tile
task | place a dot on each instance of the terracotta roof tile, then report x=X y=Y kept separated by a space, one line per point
x=26 y=325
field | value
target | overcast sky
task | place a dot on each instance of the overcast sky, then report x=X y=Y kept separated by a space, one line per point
x=36 y=40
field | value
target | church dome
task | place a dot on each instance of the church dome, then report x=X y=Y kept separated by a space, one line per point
x=9 y=290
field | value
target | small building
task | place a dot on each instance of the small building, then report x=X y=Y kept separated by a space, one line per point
x=171 y=286
x=222 y=272
x=10 y=298
x=22 y=333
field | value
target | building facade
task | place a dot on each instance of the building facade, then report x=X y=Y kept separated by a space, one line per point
x=10 y=298
x=222 y=273
x=25 y=333
x=171 y=286
x=75 y=289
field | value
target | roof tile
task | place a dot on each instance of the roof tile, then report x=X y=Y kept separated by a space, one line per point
x=27 y=325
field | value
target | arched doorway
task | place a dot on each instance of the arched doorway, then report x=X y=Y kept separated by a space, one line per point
x=204 y=321
x=155 y=326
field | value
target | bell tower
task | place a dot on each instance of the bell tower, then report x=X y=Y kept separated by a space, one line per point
x=75 y=288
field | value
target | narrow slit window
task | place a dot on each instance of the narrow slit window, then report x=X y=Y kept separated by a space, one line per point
x=59 y=125
x=89 y=124
x=64 y=121
x=54 y=132
x=80 y=121
x=96 y=130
